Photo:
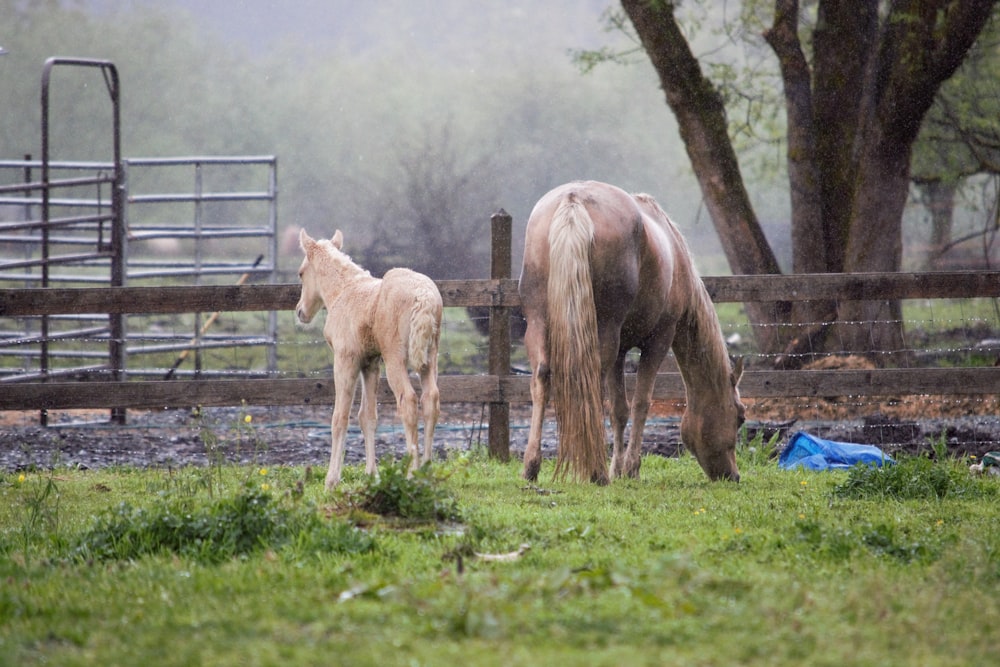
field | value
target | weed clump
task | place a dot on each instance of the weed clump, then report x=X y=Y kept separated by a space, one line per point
x=912 y=478
x=223 y=529
x=418 y=497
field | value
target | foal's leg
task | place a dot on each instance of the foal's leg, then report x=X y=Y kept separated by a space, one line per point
x=345 y=377
x=534 y=342
x=368 y=414
x=430 y=402
x=406 y=403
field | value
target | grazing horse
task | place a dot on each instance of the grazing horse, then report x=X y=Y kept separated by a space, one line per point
x=396 y=319
x=604 y=272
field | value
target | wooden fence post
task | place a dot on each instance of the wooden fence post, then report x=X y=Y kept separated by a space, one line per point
x=499 y=351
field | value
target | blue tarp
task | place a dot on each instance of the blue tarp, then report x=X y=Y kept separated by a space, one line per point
x=814 y=453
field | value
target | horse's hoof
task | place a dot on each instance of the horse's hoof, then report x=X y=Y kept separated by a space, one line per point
x=531 y=471
x=600 y=479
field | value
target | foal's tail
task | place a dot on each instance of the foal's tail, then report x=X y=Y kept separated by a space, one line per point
x=574 y=352
x=425 y=326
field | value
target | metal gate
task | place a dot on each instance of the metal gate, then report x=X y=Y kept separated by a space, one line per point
x=177 y=221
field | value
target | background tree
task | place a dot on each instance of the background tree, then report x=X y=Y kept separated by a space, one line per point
x=959 y=140
x=856 y=88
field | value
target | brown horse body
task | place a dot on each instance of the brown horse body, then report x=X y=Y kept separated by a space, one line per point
x=396 y=319
x=605 y=272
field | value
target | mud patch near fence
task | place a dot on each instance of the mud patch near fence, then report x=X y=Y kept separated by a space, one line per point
x=300 y=435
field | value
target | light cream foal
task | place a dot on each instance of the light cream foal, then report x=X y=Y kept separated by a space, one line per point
x=397 y=319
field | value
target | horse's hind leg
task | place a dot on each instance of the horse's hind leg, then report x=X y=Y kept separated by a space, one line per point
x=430 y=401
x=368 y=414
x=534 y=341
x=406 y=404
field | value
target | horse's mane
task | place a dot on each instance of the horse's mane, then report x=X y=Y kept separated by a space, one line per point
x=699 y=317
x=706 y=333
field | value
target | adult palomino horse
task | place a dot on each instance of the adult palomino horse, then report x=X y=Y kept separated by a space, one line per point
x=397 y=319
x=604 y=272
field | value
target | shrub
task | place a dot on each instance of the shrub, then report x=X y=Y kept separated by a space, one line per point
x=420 y=497
x=223 y=529
x=911 y=478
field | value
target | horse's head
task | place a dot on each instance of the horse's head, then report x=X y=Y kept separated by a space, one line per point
x=311 y=298
x=709 y=428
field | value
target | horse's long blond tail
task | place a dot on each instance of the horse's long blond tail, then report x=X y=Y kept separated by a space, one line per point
x=425 y=326
x=574 y=352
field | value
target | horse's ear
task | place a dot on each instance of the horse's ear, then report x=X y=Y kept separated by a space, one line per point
x=304 y=239
x=338 y=240
x=737 y=369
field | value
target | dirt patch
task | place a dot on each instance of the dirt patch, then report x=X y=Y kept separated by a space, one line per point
x=299 y=435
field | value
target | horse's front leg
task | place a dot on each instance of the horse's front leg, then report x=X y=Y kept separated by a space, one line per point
x=345 y=378
x=649 y=364
x=614 y=381
x=368 y=413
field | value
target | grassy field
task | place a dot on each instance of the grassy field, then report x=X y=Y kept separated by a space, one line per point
x=467 y=564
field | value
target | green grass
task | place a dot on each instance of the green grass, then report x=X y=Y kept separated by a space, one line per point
x=254 y=566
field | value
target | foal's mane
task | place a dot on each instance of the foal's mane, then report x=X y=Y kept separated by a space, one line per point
x=336 y=259
x=699 y=323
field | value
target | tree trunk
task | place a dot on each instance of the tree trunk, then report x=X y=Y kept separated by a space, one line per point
x=701 y=118
x=811 y=250
x=938 y=197
x=852 y=122
x=921 y=43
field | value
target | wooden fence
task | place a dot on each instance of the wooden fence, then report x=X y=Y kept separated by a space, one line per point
x=498 y=388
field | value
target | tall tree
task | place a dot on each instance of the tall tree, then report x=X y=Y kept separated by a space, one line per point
x=960 y=139
x=856 y=90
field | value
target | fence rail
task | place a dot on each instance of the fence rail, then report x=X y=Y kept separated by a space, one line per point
x=498 y=293
x=492 y=388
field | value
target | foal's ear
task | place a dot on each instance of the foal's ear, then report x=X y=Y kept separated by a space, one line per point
x=337 y=240
x=304 y=239
x=737 y=369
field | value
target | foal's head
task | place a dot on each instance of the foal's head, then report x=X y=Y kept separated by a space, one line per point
x=710 y=426
x=311 y=298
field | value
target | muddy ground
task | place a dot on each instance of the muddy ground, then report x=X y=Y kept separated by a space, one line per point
x=300 y=435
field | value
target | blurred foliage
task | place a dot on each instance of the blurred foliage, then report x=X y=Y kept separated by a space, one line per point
x=405 y=143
